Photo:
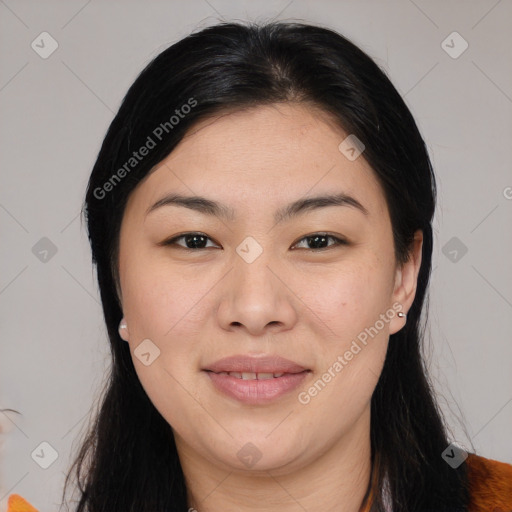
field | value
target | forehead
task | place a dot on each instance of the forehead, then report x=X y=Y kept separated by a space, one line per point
x=268 y=154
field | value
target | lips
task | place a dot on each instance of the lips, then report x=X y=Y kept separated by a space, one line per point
x=255 y=380
x=262 y=366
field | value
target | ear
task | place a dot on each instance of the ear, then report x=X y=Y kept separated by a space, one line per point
x=406 y=280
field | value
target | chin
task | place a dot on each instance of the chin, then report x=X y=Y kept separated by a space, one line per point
x=261 y=453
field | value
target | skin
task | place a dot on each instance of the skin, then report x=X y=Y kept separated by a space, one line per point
x=198 y=307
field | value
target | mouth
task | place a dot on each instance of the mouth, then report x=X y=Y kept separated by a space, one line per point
x=252 y=389
x=255 y=380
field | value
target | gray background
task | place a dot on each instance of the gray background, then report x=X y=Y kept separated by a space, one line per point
x=54 y=114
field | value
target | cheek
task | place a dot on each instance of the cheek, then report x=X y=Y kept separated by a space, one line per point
x=155 y=296
x=348 y=298
x=165 y=308
x=351 y=347
x=352 y=337
x=171 y=306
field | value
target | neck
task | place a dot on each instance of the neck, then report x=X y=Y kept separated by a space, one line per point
x=333 y=481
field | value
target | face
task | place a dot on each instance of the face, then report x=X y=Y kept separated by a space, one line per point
x=317 y=286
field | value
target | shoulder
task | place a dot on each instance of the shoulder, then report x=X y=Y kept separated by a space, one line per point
x=16 y=503
x=490 y=484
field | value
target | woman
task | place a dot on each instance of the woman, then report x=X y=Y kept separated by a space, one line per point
x=260 y=218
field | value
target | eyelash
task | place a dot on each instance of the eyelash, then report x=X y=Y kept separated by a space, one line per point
x=172 y=241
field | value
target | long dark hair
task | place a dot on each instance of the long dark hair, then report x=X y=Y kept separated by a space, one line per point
x=128 y=459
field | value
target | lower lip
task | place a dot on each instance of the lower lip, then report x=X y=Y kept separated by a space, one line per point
x=257 y=391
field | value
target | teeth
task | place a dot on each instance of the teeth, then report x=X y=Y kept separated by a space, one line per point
x=265 y=376
x=252 y=375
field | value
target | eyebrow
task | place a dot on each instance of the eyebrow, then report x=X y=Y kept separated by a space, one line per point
x=215 y=209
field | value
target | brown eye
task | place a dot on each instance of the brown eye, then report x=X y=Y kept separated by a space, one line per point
x=317 y=241
x=192 y=241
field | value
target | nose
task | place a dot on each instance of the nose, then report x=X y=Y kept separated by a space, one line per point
x=255 y=298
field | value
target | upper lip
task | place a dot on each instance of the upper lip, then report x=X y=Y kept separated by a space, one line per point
x=251 y=364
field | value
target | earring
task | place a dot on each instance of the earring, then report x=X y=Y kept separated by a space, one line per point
x=123 y=329
x=401 y=314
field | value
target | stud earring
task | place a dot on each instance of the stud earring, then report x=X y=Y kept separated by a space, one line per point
x=123 y=329
x=401 y=314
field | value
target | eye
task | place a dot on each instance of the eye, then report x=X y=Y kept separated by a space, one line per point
x=196 y=241
x=318 y=239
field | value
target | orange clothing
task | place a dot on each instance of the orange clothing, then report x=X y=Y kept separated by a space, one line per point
x=490 y=484
x=18 y=504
